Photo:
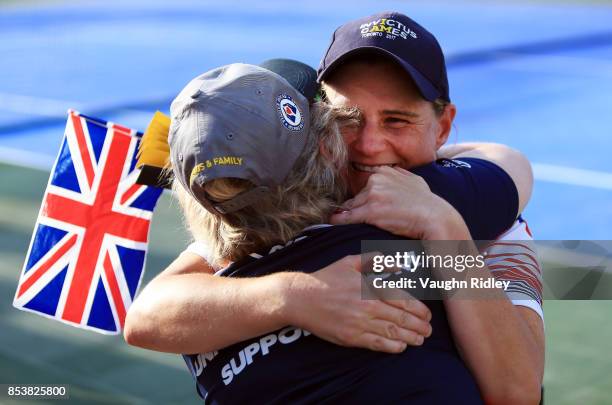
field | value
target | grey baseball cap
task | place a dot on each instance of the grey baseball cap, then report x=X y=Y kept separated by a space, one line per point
x=237 y=121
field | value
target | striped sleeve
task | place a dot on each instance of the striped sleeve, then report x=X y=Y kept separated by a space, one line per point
x=513 y=257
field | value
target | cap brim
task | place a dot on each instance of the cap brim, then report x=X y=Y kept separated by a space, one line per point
x=428 y=91
x=299 y=75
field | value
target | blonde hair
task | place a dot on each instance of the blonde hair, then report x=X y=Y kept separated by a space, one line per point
x=314 y=188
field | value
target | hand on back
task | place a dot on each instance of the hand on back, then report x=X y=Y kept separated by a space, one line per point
x=329 y=304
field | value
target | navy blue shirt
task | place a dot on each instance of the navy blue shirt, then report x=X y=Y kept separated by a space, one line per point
x=293 y=366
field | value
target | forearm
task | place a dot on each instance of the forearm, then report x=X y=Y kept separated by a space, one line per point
x=452 y=151
x=503 y=351
x=499 y=349
x=481 y=150
x=198 y=313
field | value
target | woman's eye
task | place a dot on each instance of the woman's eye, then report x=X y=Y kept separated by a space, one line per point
x=396 y=122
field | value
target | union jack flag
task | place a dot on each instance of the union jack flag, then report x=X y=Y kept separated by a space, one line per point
x=87 y=253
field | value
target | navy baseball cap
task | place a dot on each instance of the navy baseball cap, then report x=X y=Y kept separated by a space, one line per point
x=399 y=37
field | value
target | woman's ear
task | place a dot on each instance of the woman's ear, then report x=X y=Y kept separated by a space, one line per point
x=445 y=122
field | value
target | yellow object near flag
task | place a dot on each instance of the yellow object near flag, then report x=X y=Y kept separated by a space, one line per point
x=154 y=153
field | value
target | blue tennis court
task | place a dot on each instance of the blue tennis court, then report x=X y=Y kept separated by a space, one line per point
x=533 y=75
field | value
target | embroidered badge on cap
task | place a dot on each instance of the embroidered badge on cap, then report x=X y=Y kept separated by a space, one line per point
x=387 y=27
x=289 y=113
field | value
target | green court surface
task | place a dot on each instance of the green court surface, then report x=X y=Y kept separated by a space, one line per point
x=102 y=369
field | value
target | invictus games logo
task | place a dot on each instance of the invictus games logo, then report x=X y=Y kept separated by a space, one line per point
x=289 y=113
x=387 y=28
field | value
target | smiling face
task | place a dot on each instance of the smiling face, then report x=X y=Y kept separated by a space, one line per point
x=392 y=124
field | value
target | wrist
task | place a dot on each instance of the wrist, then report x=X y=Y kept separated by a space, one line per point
x=288 y=286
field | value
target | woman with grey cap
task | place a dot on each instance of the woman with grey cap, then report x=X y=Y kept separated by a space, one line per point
x=258 y=171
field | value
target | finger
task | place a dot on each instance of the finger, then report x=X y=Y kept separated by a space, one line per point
x=395 y=270
x=358 y=200
x=381 y=178
x=379 y=343
x=391 y=331
x=413 y=306
x=363 y=262
x=402 y=318
x=404 y=171
x=347 y=204
x=367 y=261
x=383 y=169
x=339 y=218
x=355 y=216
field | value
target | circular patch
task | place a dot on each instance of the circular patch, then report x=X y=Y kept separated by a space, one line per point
x=289 y=113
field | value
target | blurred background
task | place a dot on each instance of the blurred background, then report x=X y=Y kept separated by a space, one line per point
x=536 y=75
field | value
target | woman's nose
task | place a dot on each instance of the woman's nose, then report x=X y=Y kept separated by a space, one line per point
x=369 y=141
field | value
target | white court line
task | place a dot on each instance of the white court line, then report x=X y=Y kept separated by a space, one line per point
x=541 y=171
x=23 y=158
x=46 y=107
x=572 y=176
